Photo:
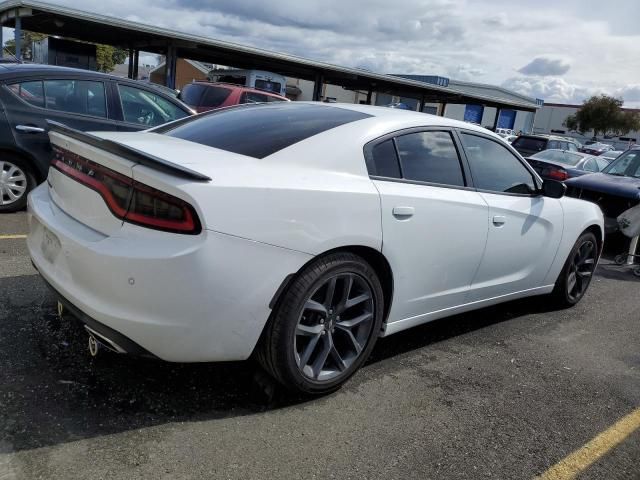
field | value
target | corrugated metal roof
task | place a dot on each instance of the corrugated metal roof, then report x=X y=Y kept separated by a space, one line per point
x=198 y=43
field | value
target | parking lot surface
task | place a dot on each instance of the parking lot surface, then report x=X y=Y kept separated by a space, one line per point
x=505 y=392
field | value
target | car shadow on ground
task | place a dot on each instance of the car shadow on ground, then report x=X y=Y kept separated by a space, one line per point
x=52 y=391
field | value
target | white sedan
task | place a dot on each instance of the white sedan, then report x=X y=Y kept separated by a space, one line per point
x=298 y=232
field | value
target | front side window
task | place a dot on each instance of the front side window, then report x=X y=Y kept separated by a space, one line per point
x=430 y=157
x=147 y=108
x=30 y=92
x=495 y=168
x=572 y=147
x=76 y=96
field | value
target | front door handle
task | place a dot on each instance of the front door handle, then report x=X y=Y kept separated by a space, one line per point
x=499 y=220
x=29 y=129
x=403 y=213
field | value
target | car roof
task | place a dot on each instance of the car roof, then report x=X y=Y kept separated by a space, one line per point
x=546 y=136
x=234 y=85
x=17 y=70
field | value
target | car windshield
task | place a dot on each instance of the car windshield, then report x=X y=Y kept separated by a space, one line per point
x=626 y=165
x=199 y=95
x=554 y=155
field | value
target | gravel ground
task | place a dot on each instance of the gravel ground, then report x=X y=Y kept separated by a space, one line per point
x=502 y=393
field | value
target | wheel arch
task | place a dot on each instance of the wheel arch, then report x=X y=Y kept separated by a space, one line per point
x=32 y=162
x=599 y=234
x=373 y=257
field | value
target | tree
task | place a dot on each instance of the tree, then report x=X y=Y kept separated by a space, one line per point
x=26 y=41
x=604 y=115
x=107 y=57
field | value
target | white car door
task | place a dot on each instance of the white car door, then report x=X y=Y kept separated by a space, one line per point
x=525 y=228
x=434 y=227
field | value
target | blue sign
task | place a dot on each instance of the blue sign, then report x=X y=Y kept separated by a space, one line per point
x=473 y=113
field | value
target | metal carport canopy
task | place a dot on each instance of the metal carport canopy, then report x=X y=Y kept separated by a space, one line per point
x=68 y=22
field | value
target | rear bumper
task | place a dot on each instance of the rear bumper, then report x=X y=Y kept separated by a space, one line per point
x=181 y=298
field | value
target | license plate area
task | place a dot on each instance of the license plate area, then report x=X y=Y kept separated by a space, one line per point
x=50 y=245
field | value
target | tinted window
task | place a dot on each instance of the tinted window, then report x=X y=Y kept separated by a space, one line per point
x=214 y=96
x=383 y=161
x=495 y=168
x=271 y=98
x=76 y=96
x=253 y=97
x=430 y=157
x=31 y=92
x=560 y=156
x=556 y=144
x=528 y=143
x=274 y=87
x=147 y=108
x=198 y=95
x=261 y=130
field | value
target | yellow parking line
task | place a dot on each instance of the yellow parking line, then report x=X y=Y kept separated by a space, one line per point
x=582 y=458
x=11 y=237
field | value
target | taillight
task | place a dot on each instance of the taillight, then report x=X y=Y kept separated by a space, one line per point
x=556 y=174
x=129 y=200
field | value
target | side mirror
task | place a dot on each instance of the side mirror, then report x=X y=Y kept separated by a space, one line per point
x=553 y=189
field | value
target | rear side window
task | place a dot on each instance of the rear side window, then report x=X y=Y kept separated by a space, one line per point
x=383 y=161
x=495 y=168
x=430 y=157
x=30 y=92
x=76 y=96
x=528 y=143
x=198 y=95
x=591 y=165
x=261 y=130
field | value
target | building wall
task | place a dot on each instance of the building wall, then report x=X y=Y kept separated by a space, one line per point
x=185 y=73
x=550 y=119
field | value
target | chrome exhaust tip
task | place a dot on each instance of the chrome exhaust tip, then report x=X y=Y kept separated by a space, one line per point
x=97 y=340
x=94 y=346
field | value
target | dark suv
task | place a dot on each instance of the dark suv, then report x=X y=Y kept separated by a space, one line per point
x=30 y=94
x=528 y=145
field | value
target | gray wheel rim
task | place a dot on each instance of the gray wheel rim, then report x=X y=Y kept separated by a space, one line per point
x=581 y=270
x=334 y=326
x=13 y=183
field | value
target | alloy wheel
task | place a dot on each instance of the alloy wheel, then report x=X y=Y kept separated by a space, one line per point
x=581 y=270
x=13 y=183
x=334 y=326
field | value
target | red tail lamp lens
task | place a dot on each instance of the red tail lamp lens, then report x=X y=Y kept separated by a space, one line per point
x=557 y=174
x=128 y=200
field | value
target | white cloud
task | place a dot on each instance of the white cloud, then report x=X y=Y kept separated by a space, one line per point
x=464 y=39
x=546 y=65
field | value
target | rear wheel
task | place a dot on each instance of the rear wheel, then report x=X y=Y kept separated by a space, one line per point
x=16 y=181
x=577 y=273
x=325 y=326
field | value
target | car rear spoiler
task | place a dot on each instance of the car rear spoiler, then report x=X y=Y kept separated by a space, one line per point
x=129 y=153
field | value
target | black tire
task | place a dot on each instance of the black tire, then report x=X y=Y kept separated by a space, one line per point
x=8 y=160
x=563 y=294
x=278 y=350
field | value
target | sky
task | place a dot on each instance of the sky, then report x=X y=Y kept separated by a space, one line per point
x=562 y=51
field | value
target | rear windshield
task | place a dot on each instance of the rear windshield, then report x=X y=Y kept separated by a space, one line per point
x=274 y=87
x=559 y=156
x=528 y=143
x=261 y=130
x=197 y=95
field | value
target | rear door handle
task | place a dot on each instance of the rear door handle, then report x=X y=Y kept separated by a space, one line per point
x=29 y=129
x=499 y=220
x=403 y=213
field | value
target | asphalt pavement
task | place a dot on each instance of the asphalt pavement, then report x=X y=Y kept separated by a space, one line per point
x=505 y=393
